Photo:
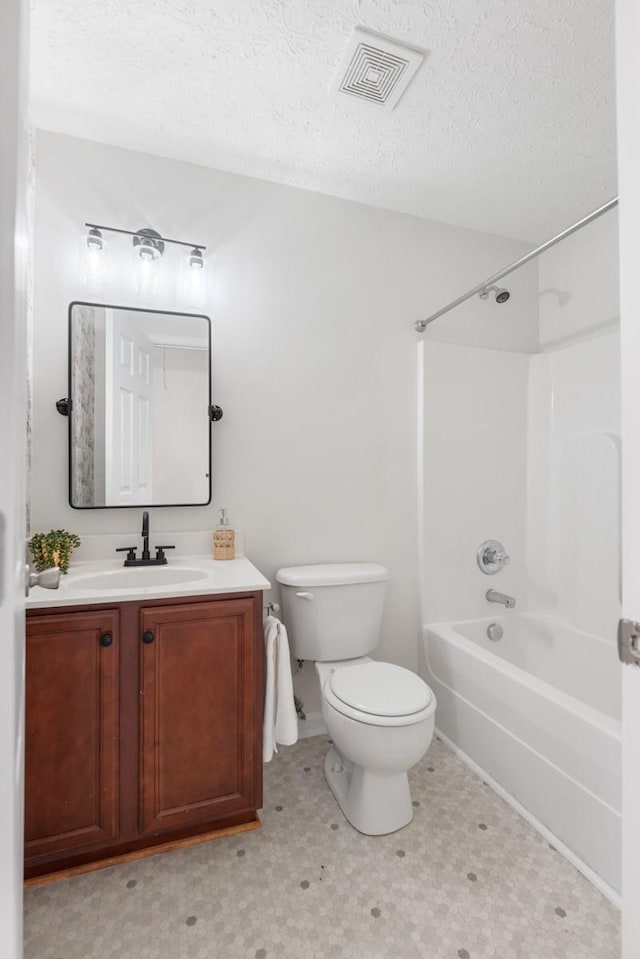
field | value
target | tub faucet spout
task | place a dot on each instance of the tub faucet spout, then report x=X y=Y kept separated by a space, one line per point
x=494 y=596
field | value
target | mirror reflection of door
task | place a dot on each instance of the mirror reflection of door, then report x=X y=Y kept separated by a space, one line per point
x=140 y=390
x=128 y=410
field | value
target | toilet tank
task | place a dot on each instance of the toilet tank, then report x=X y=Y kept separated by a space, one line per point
x=332 y=611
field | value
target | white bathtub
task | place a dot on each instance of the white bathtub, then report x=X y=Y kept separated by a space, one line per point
x=539 y=712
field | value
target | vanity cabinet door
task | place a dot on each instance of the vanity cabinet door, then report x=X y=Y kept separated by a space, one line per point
x=71 y=731
x=200 y=712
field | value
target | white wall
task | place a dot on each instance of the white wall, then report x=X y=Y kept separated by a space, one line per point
x=14 y=242
x=312 y=300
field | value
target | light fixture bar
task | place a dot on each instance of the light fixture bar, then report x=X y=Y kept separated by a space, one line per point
x=165 y=239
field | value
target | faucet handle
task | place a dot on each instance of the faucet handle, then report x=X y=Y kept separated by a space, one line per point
x=129 y=550
x=496 y=556
x=48 y=578
x=492 y=557
x=160 y=557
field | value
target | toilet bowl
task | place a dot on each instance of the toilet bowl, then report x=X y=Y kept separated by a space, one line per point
x=380 y=716
x=381 y=720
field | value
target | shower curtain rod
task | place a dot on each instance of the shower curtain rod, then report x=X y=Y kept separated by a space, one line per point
x=421 y=325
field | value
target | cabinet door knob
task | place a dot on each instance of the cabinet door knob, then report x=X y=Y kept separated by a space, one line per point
x=147 y=637
x=106 y=639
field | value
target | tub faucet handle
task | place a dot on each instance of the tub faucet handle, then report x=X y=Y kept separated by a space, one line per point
x=495 y=556
x=492 y=557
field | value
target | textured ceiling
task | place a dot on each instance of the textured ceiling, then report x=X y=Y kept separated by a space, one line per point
x=508 y=127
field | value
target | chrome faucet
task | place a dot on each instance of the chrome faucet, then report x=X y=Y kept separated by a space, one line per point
x=494 y=596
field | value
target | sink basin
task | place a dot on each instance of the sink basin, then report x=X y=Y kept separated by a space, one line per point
x=138 y=578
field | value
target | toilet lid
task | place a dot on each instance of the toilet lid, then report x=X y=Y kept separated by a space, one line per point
x=380 y=689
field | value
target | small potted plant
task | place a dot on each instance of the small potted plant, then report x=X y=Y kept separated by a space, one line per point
x=53 y=549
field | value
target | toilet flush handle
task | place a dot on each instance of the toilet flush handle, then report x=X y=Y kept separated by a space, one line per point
x=305 y=595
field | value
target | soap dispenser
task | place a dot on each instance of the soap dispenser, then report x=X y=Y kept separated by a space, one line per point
x=224 y=539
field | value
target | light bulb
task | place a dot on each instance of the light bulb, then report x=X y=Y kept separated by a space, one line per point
x=94 y=239
x=145 y=278
x=147 y=251
x=192 y=281
x=196 y=259
x=149 y=247
x=92 y=261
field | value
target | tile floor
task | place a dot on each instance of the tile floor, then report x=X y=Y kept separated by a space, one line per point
x=467 y=879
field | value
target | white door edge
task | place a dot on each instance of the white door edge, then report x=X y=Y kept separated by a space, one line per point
x=628 y=97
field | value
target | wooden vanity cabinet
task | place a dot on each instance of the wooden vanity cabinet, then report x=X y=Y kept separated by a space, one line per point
x=197 y=704
x=71 y=731
x=143 y=726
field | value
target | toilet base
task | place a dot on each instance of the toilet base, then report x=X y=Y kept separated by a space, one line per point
x=375 y=804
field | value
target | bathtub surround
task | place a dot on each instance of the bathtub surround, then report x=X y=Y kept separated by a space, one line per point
x=311 y=300
x=469 y=879
x=574 y=433
x=528 y=452
x=574 y=450
x=475 y=475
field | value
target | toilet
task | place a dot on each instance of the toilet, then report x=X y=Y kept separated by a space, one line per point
x=380 y=716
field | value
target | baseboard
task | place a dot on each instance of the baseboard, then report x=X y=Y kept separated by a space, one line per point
x=607 y=891
x=313 y=725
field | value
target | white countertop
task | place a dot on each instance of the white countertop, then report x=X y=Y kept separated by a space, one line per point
x=209 y=577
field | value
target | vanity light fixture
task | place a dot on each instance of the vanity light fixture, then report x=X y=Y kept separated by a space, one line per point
x=149 y=243
x=148 y=276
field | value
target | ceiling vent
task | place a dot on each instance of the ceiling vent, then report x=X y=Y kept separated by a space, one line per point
x=377 y=69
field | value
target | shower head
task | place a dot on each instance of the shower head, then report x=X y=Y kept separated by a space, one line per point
x=500 y=293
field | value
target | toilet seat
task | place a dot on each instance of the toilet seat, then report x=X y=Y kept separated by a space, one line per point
x=379 y=694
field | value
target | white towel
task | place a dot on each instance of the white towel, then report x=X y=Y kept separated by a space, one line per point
x=280 y=719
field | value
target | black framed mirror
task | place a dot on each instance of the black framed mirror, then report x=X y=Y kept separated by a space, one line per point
x=139 y=407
